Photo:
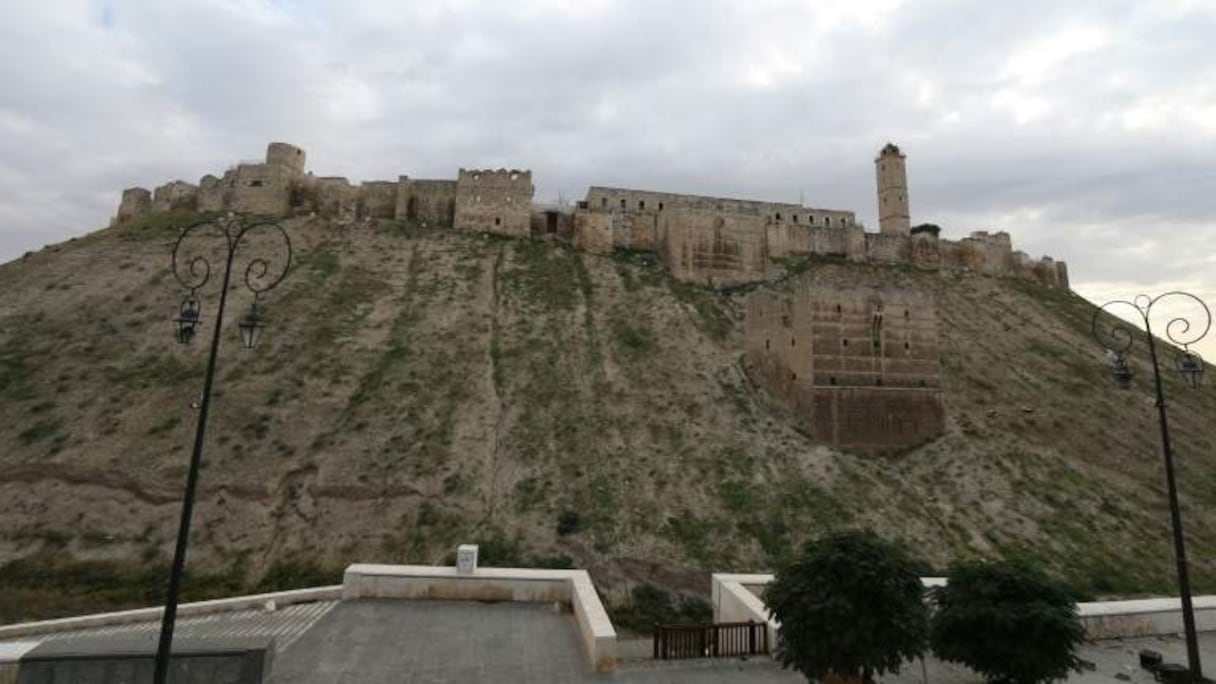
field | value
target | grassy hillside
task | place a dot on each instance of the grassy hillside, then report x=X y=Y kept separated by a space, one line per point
x=417 y=389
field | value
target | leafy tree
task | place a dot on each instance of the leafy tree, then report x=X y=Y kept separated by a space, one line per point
x=851 y=605
x=1008 y=621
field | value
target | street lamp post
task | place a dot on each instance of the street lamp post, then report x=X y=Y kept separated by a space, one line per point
x=1117 y=337
x=194 y=275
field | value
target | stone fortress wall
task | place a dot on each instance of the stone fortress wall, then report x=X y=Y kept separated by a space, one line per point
x=712 y=240
x=857 y=368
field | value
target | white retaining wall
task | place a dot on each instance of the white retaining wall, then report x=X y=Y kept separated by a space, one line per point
x=494 y=584
x=736 y=598
x=1145 y=617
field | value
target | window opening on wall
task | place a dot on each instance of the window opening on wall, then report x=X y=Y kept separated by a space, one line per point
x=844 y=342
x=907 y=345
x=832 y=380
x=660 y=206
x=838 y=308
x=255 y=183
x=795 y=217
x=622 y=203
x=766 y=344
x=879 y=382
x=876 y=328
x=641 y=205
x=604 y=202
x=793 y=376
x=497 y=221
x=778 y=217
x=791 y=341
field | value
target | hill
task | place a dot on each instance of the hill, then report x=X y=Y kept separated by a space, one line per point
x=421 y=388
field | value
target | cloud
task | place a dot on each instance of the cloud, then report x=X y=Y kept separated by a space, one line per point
x=1086 y=130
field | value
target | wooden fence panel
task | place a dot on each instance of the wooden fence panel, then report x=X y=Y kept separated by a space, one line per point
x=718 y=640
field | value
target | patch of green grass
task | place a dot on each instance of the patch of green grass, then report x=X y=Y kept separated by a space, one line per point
x=165 y=425
x=165 y=224
x=298 y=571
x=529 y=492
x=638 y=269
x=738 y=497
x=633 y=340
x=52 y=583
x=540 y=275
x=691 y=532
x=648 y=605
x=43 y=429
x=154 y=371
x=709 y=306
x=322 y=264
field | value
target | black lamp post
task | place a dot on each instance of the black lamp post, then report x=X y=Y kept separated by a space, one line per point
x=1117 y=337
x=232 y=230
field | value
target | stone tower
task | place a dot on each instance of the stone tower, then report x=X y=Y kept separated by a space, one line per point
x=287 y=156
x=893 y=215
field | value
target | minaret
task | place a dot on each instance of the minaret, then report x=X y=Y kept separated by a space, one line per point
x=893 y=215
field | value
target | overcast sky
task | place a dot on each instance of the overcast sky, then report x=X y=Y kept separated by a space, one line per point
x=1085 y=129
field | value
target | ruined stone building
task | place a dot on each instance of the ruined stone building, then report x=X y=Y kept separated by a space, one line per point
x=716 y=241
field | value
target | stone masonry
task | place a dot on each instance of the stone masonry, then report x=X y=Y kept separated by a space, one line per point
x=494 y=201
x=894 y=217
x=857 y=368
x=716 y=241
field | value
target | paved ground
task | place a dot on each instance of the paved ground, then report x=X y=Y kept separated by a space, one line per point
x=453 y=642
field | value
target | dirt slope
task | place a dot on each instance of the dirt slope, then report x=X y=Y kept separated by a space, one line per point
x=417 y=389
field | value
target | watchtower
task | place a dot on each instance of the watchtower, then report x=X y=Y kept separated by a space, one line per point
x=285 y=155
x=893 y=215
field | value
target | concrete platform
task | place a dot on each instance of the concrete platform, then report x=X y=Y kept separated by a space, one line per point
x=375 y=641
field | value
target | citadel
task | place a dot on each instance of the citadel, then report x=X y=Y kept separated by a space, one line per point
x=855 y=367
x=711 y=240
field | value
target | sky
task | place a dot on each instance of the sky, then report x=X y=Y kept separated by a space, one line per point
x=1087 y=130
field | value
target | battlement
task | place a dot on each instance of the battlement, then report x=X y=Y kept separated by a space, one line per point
x=494 y=201
x=719 y=241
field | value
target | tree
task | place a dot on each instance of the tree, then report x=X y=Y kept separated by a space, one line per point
x=850 y=605
x=1007 y=621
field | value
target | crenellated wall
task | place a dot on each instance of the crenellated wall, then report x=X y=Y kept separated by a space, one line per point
x=175 y=195
x=717 y=241
x=494 y=201
x=429 y=202
x=378 y=199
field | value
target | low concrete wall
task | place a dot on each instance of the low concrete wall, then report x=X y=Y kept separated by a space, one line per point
x=736 y=598
x=251 y=602
x=1147 y=617
x=494 y=584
